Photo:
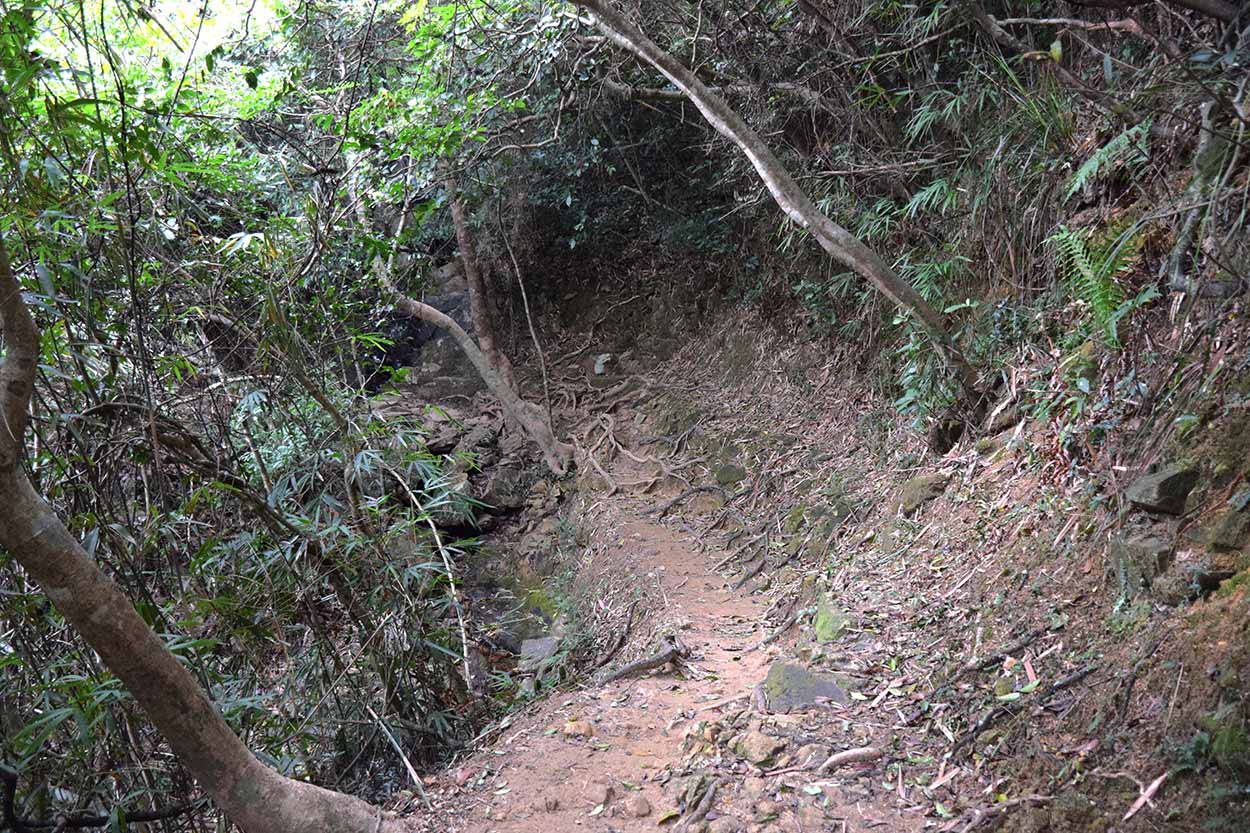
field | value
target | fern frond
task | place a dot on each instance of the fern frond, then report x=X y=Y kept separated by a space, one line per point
x=1093 y=275
x=1128 y=148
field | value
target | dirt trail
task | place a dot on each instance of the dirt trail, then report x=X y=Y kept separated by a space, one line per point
x=616 y=757
x=637 y=722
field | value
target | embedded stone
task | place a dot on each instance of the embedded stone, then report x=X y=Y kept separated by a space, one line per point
x=920 y=490
x=791 y=687
x=757 y=747
x=1164 y=491
x=1227 y=531
x=1138 y=561
x=536 y=652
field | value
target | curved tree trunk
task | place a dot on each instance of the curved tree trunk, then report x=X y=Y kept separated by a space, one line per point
x=497 y=374
x=793 y=200
x=250 y=794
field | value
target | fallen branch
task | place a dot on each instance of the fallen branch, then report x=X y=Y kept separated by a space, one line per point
x=1001 y=654
x=994 y=715
x=751 y=573
x=980 y=815
x=620 y=639
x=858 y=755
x=724 y=561
x=704 y=805
x=775 y=635
x=675 y=651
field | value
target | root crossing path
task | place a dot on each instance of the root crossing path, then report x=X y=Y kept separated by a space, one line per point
x=689 y=745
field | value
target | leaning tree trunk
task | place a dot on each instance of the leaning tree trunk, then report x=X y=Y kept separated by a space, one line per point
x=250 y=794
x=793 y=200
x=527 y=415
x=483 y=324
x=495 y=373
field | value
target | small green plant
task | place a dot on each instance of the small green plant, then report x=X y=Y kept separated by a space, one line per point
x=1091 y=270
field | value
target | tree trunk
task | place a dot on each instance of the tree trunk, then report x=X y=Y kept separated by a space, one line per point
x=483 y=325
x=1219 y=9
x=250 y=794
x=797 y=205
x=526 y=414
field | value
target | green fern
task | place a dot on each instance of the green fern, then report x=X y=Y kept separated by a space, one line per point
x=1091 y=268
x=1128 y=148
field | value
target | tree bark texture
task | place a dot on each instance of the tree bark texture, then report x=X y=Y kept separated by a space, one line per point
x=483 y=324
x=789 y=195
x=250 y=794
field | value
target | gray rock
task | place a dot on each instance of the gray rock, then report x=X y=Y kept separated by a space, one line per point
x=535 y=652
x=1138 y=561
x=791 y=687
x=1164 y=491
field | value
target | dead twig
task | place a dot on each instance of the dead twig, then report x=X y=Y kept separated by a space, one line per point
x=1001 y=654
x=775 y=635
x=995 y=714
x=981 y=814
x=661 y=510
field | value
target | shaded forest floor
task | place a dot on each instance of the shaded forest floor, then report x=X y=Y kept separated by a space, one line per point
x=960 y=626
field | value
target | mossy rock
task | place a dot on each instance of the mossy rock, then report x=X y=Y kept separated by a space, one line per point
x=795 y=520
x=728 y=473
x=920 y=490
x=830 y=622
x=825 y=518
x=791 y=687
x=1230 y=745
x=1229 y=530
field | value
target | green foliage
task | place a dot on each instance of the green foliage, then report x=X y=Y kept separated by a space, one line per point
x=1126 y=151
x=1091 y=270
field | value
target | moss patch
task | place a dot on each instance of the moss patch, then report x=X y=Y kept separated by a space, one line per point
x=830 y=622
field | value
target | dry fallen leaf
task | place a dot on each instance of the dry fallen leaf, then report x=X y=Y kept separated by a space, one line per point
x=1145 y=797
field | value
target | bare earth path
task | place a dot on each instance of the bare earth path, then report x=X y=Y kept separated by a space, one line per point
x=618 y=757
